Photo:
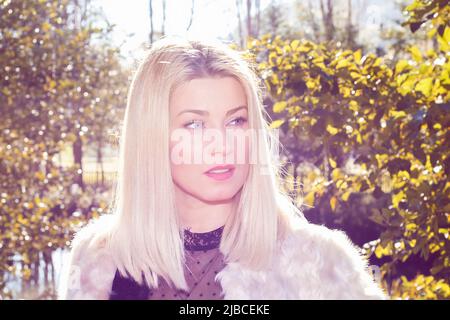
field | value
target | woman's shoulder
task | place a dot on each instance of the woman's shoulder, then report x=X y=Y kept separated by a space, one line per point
x=319 y=237
x=94 y=233
x=311 y=251
x=89 y=269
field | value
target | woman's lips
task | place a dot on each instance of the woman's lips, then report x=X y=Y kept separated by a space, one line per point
x=221 y=173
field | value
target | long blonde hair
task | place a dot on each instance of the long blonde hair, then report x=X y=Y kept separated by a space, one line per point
x=146 y=239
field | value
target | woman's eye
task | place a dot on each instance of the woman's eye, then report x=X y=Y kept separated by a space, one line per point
x=238 y=121
x=194 y=124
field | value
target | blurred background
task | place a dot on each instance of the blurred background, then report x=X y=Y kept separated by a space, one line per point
x=359 y=90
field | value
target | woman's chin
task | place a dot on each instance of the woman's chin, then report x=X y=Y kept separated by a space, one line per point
x=218 y=197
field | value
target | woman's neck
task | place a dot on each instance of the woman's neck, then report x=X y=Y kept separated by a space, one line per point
x=200 y=216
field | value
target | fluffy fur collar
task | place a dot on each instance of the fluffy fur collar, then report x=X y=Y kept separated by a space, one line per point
x=313 y=262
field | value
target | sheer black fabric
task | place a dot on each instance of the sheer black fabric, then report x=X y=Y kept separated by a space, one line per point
x=203 y=262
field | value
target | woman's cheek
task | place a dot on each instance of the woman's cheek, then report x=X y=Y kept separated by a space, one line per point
x=241 y=149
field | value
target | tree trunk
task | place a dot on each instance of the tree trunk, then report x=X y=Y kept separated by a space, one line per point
x=192 y=15
x=258 y=17
x=163 y=26
x=77 y=149
x=100 y=163
x=327 y=18
x=314 y=25
x=249 y=18
x=151 y=21
x=238 y=12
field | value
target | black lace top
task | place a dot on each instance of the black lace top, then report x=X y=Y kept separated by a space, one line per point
x=202 y=241
x=203 y=262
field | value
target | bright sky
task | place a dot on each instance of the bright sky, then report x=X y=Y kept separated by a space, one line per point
x=212 y=18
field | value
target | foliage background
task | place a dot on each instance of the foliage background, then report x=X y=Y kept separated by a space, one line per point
x=365 y=136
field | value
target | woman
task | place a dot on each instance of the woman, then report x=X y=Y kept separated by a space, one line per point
x=198 y=218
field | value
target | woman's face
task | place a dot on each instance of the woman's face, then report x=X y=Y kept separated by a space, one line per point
x=208 y=123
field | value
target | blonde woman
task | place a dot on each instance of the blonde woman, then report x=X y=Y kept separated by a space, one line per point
x=197 y=218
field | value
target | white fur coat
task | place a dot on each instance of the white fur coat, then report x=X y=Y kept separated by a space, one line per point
x=313 y=262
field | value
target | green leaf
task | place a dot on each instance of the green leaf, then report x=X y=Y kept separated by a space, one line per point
x=397 y=198
x=424 y=86
x=342 y=64
x=332 y=162
x=294 y=44
x=346 y=195
x=333 y=202
x=416 y=55
x=332 y=130
x=337 y=174
x=309 y=199
x=401 y=65
x=279 y=106
x=357 y=55
x=444 y=45
x=276 y=124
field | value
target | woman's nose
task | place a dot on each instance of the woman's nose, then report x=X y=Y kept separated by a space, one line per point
x=222 y=146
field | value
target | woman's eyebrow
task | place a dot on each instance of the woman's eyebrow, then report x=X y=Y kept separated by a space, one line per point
x=204 y=112
x=229 y=112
